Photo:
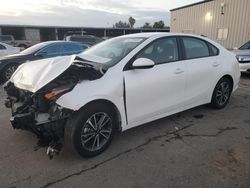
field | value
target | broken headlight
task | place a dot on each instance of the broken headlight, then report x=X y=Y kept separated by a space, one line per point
x=55 y=93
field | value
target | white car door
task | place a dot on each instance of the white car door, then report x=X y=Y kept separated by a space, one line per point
x=203 y=69
x=153 y=92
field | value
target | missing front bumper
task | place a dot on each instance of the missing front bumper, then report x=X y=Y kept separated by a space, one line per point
x=43 y=118
x=22 y=121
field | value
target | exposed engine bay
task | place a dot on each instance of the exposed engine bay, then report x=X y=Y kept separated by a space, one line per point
x=38 y=112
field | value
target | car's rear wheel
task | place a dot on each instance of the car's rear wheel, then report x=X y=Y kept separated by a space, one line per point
x=8 y=71
x=90 y=131
x=222 y=93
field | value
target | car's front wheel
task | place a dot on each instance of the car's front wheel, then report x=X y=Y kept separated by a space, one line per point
x=90 y=131
x=222 y=93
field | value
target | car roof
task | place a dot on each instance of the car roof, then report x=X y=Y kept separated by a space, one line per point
x=57 y=41
x=84 y=36
x=153 y=34
x=167 y=34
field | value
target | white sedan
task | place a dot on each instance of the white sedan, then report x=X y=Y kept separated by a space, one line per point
x=116 y=85
x=6 y=49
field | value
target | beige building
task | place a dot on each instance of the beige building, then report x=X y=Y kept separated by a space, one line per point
x=225 y=21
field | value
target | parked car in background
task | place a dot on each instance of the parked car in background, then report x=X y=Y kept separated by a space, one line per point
x=9 y=39
x=89 y=40
x=6 y=49
x=91 y=95
x=243 y=56
x=43 y=50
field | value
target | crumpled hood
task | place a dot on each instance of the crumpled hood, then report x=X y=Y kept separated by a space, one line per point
x=33 y=75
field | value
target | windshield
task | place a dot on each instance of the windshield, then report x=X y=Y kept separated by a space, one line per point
x=115 y=49
x=34 y=48
x=245 y=46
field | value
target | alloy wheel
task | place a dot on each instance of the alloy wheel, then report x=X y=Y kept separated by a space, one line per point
x=223 y=93
x=96 y=131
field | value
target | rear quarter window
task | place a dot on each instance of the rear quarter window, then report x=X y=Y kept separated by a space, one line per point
x=213 y=50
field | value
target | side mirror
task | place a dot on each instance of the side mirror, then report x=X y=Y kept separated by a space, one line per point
x=143 y=63
x=235 y=48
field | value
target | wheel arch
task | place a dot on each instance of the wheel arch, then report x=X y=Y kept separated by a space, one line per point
x=111 y=106
x=229 y=77
x=224 y=76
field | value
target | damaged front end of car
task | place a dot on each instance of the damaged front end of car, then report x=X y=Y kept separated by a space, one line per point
x=38 y=111
x=35 y=113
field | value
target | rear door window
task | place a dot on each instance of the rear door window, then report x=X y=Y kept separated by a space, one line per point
x=195 y=48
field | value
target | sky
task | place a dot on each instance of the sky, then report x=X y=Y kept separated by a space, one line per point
x=86 y=13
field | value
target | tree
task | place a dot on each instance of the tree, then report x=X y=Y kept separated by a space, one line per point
x=159 y=24
x=147 y=25
x=131 y=21
x=121 y=24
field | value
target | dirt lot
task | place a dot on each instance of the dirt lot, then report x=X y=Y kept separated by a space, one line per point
x=201 y=147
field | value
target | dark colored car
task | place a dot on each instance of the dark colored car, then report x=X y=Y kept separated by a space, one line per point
x=89 y=40
x=9 y=64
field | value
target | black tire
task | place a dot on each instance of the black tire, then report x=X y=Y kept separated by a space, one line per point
x=77 y=129
x=222 y=93
x=8 y=71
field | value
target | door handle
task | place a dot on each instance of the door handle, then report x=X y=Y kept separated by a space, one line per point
x=178 y=71
x=215 y=64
